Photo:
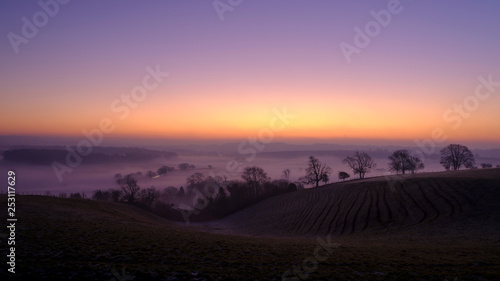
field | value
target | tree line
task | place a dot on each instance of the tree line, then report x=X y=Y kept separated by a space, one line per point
x=214 y=197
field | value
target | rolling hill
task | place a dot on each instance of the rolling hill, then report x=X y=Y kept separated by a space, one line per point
x=396 y=238
x=445 y=203
x=40 y=155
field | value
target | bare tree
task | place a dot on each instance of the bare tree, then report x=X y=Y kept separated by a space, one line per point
x=455 y=156
x=169 y=192
x=361 y=163
x=402 y=161
x=129 y=186
x=255 y=178
x=149 y=195
x=316 y=172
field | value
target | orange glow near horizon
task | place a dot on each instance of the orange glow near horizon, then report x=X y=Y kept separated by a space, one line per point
x=226 y=79
x=226 y=118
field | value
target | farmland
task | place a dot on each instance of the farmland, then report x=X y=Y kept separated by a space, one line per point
x=421 y=203
x=431 y=227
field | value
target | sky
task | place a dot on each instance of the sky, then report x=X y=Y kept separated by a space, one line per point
x=327 y=71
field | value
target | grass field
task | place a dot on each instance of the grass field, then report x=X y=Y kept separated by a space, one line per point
x=76 y=239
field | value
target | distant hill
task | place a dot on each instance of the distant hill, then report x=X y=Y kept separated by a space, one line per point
x=99 y=155
x=281 y=149
x=442 y=203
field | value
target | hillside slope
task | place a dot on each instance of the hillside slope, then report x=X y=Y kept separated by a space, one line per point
x=80 y=239
x=454 y=203
x=77 y=239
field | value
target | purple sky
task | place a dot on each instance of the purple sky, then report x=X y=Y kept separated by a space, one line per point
x=227 y=76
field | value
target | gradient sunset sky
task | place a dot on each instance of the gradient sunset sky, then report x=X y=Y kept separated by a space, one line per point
x=227 y=76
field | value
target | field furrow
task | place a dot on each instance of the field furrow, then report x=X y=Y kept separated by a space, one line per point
x=402 y=203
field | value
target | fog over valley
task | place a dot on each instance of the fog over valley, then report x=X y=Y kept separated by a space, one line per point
x=98 y=169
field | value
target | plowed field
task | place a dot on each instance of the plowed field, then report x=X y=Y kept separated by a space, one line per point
x=438 y=203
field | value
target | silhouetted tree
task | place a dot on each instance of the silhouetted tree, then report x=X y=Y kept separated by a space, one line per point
x=149 y=195
x=361 y=163
x=486 y=165
x=221 y=204
x=115 y=194
x=315 y=172
x=209 y=186
x=402 y=161
x=455 y=156
x=162 y=171
x=195 y=181
x=415 y=164
x=325 y=178
x=276 y=187
x=343 y=176
x=181 y=192
x=255 y=178
x=185 y=166
x=399 y=161
x=101 y=195
x=221 y=181
x=169 y=192
x=151 y=174
x=129 y=186
x=75 y=195
x=221 y=195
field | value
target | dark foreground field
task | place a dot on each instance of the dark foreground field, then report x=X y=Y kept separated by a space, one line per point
x=73 y=239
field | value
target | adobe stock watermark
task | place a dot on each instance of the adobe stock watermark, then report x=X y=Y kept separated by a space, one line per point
x=121 y=106
x=223 y=6
x=363 y=37
x=454 y=116
x=277 y=123
x=39 y=19
x=310 y=264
